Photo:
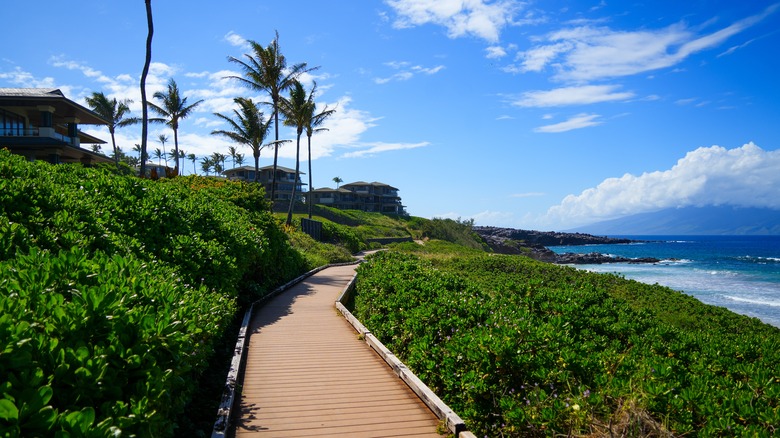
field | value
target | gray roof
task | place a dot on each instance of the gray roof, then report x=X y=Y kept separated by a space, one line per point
x=31 y=92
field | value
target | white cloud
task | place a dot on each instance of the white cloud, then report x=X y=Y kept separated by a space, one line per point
x=479 y=18
x=25 y=79
x=527 y=195
x=577 y=122
x=407 y=71
x=236 y=40
x=495 y=52
x=587 y=53
x=747 y=176
x=371 y=149
x=582 y=95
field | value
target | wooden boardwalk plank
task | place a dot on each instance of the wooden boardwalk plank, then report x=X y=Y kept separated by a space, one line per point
x=308 y=374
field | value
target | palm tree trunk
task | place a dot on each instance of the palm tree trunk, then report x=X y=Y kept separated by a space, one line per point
x=309 y=199
x=256 y=154
x=176 y=150
x=116 y=154
x=144 y=73
x=276 y=153
x=295 y=182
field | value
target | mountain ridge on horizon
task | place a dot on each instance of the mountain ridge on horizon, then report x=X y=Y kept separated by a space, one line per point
x=711 y=220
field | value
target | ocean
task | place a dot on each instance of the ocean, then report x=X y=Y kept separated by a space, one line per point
x=740 y=273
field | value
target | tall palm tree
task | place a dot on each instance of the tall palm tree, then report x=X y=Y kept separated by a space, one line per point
x=206 y=164
x=173 y=109
x=180 y=158
x=296 y=112
x=96 y=148
x=163 y=138
x=193 y=158
x=239 y=160
x=266 y=69
x=218 y=161
x=248 y=127
x=313 y=120
x=232 y=151
x=158 y=154
x=338 y=181
x=113 y=112
x=144 y=74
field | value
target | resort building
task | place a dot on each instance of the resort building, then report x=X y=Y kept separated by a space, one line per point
x=285 y=179
x=42 y=124
x=374 y=197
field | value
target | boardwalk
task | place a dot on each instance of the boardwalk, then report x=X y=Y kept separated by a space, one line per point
x=308 y=374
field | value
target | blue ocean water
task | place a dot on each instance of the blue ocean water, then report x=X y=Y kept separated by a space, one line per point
x=741 y=273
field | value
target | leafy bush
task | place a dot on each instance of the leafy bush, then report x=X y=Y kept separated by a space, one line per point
x=114 y=290
x=455 y=231
x=523 y=348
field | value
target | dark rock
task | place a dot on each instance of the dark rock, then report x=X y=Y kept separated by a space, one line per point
x=534 y=244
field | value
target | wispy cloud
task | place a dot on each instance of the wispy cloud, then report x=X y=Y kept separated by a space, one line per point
x=580 y=95
x=587 y=53
x=371 y=149
x=577 y=122
x=478 y=18
x=747 y=176
x=236 y=40
x=527 y=195
x=407 y=71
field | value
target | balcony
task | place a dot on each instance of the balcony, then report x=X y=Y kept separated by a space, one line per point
x=32 y=133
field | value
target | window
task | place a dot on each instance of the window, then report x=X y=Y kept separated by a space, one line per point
x=11 y=124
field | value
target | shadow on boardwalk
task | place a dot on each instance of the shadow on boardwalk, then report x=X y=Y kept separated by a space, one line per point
x=308 y=374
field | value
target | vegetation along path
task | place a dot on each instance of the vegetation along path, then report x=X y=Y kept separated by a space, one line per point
x=308 y=374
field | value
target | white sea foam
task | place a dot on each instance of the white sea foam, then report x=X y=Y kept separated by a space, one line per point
x=771 y=303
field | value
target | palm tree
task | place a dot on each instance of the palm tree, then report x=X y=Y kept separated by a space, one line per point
x=219 y=162
x=247 y=128
x=163 y=139
x=313 y=120
x=338 y=181
x=206 y=163
x=173 y=109
x=181 y=157
x=158 y=154
x=144 y=73
x=96 y=148
x=296 y=112
x=113 y=112
x=193 y=158
x=239 y=160
x=232 y=151
x=266 y=69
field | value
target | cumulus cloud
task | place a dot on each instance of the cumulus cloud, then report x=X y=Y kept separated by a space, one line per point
x=577 y=122
x=480 y=18
x=587 y=53
x=747 y=176
x=579 y=95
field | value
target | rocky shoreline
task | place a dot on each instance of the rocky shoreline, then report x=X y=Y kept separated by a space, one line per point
x=534 y=244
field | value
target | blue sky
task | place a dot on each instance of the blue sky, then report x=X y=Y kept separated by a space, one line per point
x=528 y=114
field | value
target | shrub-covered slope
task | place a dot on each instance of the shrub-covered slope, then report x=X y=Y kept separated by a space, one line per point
x=524 y=348
x=114 y=290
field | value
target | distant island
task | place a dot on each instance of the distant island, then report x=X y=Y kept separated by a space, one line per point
x=534 y=244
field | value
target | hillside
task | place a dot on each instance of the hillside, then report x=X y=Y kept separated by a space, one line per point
x=702 y=221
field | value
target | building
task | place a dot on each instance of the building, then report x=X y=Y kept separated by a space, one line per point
x=375 y=197
x=285 y=178
x=42 y=124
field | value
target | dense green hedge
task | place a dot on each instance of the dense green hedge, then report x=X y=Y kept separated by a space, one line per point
x=522 y=348
x=114 y=289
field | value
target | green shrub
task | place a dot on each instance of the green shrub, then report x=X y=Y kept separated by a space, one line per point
x=523 y=348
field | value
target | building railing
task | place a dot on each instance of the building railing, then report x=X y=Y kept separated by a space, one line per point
x=35 y=132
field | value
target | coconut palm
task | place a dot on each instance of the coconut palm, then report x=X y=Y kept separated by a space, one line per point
x=219 y=162
x=193 y=158
x=114 y=112
x=296 y=112
x=338 y=181
x=158 y=154
x=206 y=164
x=180 y=158
x=232 y=151
x=248 y=127
x=144 y=73
x=239 y=160
x=313 y=120
x=163 y=138
x=266 y=69
x=172 y=110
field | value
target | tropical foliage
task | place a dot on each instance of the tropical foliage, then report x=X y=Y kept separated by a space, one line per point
x=114 y=291
x=116 y=113
x=248 y=128
x=172 y=109
x=523 y=348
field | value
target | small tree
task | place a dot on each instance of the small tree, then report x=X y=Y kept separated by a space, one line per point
x=338 y=181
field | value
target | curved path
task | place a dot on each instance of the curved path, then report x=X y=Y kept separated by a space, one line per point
x=308 y=374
